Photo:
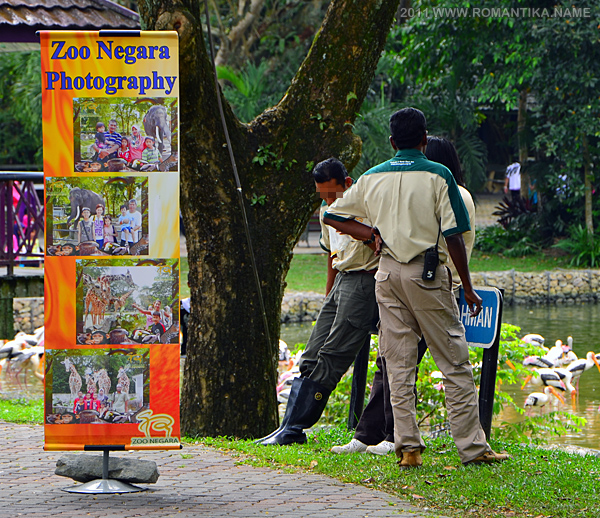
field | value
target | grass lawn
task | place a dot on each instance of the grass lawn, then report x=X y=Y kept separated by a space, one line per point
x=22 y=411
x=535 y=482
x=546 y=260
x=308 y=272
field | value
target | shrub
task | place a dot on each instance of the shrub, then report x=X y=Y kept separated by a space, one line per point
x=585 y=248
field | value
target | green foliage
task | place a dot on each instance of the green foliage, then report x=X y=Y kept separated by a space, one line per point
x=584 y=248
x=498 y=240
x=258 y=200
x=373 y=128
x=537 y=429
x=431 y=411
x=20 y=108
x=247 y=93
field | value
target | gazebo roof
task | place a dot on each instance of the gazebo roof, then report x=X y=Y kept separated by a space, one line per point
x=20 y=19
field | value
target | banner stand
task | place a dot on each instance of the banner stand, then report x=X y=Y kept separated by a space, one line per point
x=105 y=485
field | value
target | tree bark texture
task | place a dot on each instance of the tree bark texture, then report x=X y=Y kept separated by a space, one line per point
x=588 y=179
x=522 y=139
x=230 y=371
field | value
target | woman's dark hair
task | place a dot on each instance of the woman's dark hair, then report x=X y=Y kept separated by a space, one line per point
x=407 y=127
x=330 y=169
x=442 y=151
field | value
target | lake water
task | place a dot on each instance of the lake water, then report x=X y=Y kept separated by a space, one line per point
x=553 y=323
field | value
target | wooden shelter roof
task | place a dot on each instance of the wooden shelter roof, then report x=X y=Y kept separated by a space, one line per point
x=21 y=19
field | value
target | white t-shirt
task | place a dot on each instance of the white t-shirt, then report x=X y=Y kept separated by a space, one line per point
x=513 y=173
x=135 y=220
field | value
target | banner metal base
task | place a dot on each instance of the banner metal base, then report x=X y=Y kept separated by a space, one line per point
x=105 y=485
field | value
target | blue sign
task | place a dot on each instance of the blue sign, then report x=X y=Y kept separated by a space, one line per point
x=480 y=331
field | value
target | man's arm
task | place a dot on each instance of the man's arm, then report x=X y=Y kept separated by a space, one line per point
x=358 y=231
x=331 y=274
x=458 y=254
x=107 y=151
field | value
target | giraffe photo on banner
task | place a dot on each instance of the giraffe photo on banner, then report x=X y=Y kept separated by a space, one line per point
x=128 y=303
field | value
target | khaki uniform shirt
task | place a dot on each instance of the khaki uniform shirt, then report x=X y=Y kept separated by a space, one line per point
x=411 y=200
x=468 y=237
x=347 y=254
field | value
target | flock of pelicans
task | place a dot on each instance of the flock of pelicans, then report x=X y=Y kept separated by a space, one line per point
x=557 y=369
x=23 y=354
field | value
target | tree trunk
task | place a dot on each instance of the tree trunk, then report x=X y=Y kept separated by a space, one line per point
x=588 y=180
x=523 y=152
x=230 y=372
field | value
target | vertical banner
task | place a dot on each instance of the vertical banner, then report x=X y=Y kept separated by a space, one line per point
x=111 y=166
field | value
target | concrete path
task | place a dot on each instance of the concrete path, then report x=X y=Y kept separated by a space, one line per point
x=205 y=484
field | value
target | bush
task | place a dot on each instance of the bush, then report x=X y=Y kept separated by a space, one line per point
x=584 y=247
x=508 y=242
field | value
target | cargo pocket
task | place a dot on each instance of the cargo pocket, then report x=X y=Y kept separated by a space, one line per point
x=382 y=288
x=427 y=295
x=457 y=345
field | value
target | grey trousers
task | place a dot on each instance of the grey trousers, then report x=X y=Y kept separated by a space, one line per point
x=410 y=308
x=342 y=328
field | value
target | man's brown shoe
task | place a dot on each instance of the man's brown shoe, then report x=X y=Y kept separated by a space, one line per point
x=410 y=459
x=489 y=457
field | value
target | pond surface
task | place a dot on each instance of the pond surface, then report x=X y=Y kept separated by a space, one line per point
x=553 y=323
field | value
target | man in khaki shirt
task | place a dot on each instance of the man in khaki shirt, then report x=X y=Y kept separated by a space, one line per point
x=344 y=323
x=414 y=203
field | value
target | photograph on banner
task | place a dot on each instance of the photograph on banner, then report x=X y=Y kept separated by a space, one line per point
x=97 y=216
x=96 y=386
x=127 y=301
x=125 y=134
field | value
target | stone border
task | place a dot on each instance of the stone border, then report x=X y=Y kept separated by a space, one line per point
x=550 y=287
x=28 y=314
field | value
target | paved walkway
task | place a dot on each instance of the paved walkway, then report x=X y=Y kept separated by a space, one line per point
x=207 y=484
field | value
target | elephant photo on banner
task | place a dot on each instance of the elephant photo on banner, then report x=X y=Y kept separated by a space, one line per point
x=156 y=124
x=80 y=198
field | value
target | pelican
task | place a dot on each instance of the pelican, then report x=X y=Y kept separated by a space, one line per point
x=567 y=358
x=539 y=399
x=534 y=339
x=540 y=362
x=577 y=368
x=559 y=355
x=556 y=352
x=13 y=348
x=570 y=343
x=566 y=377
x=548 y=377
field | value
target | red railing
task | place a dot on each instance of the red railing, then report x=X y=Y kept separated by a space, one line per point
x=21 y=220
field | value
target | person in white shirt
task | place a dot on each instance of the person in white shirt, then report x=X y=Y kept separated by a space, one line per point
x=512 y=182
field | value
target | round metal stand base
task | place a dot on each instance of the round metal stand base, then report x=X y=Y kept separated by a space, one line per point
x=105 y=486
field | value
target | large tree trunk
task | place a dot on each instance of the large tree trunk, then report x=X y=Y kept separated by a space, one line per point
x=230 y=372
x=522 y=139
x=588 y=178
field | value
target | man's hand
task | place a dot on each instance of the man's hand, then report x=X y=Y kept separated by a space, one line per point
x=473 y=302
x=458 y=254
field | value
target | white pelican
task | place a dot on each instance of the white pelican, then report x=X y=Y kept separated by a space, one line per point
x=578 y=367
x=534 y=339
x=539 y=399
x=547 y=377
x=558 y=356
